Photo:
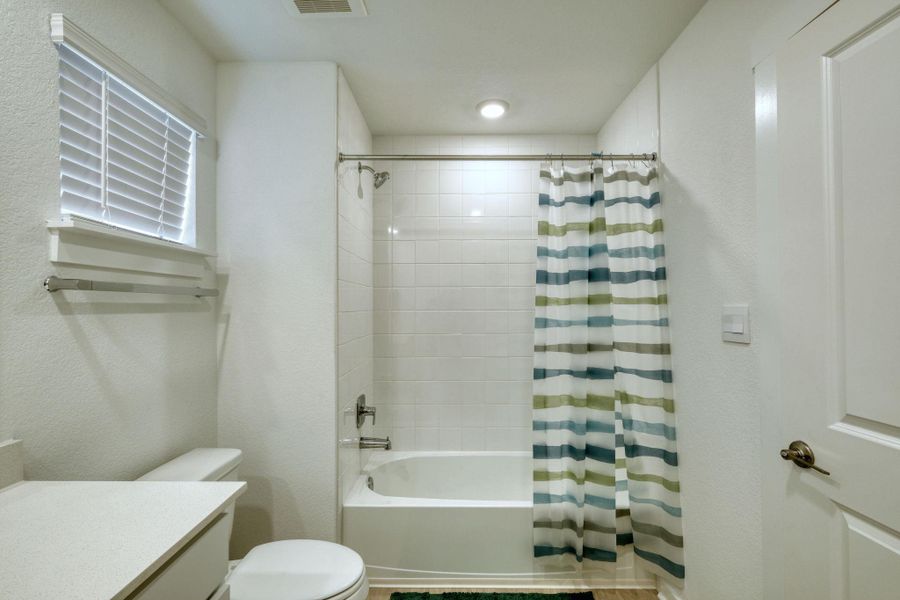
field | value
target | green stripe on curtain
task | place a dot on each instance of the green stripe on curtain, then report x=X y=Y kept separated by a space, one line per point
x=667 y=404
x=590 y=401
x=592 y=226
x=620 y=228
x=604 y=419
x=672 y=486
x=597 y=478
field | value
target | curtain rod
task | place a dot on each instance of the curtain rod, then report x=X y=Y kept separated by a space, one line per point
x=651 y=156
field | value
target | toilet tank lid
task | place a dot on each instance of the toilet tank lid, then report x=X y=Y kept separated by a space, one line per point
x=200 y=464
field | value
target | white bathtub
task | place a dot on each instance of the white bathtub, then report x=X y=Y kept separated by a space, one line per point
x=458 y=519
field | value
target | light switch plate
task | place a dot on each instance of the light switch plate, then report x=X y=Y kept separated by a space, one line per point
x=736 y=323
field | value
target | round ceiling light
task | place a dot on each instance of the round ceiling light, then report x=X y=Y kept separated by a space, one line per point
x=493 y=109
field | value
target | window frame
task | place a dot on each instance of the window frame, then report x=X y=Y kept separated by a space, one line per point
x=65 y=33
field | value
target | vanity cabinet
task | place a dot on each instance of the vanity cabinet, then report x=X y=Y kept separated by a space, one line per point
x=115 y=540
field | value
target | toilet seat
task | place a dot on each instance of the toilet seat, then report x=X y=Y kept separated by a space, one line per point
x=299 y=570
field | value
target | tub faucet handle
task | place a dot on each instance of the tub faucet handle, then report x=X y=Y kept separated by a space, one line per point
x=363 y=411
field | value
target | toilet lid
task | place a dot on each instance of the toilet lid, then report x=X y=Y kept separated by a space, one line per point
x=295 y=570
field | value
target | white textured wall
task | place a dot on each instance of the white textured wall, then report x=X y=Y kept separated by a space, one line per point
x=633 y=128
x=278 y=270
x=354 y=282
x=454 y=297
x=99 y=386
x=707 y=141
x=707 y=133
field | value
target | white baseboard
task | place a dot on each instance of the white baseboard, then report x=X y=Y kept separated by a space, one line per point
x=667 y=591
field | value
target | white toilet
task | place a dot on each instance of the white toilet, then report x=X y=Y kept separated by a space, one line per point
x=285 y=570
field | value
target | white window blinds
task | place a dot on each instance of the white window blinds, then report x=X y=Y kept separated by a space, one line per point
x=124 y=160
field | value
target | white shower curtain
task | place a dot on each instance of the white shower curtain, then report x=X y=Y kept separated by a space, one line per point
x=602 y=375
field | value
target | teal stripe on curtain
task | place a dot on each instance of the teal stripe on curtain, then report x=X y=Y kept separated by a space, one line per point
x=605 y=456
x=580 y=552
x=577 y=428
x=597 y=249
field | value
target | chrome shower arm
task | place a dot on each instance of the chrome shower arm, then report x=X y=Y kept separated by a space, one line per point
x=380 y=177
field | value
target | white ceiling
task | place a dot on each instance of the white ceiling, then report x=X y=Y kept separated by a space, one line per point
x=421 y=66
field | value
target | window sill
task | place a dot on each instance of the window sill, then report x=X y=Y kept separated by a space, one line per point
x=83 y=227
x=84 y=243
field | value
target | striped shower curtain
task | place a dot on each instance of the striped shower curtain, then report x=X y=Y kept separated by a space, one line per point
x=604 y=422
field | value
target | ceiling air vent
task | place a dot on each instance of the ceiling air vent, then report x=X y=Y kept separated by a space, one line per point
x=327 y=8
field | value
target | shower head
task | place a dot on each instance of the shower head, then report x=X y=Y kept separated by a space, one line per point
x=379 y=176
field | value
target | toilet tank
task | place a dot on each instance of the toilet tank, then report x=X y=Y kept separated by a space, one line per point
x=201 y=464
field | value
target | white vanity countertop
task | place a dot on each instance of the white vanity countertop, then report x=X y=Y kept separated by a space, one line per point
x=98 y=540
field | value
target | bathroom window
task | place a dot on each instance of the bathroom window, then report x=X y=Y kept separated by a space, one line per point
x=125 y=161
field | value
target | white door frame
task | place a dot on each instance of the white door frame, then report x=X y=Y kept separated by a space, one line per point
x=767 y=331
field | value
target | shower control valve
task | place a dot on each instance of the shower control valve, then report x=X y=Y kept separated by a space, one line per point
x=363 y=411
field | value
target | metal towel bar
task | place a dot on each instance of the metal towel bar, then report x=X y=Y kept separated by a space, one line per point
x=54 y=284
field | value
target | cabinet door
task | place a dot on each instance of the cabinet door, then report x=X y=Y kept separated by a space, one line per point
x=196 y=572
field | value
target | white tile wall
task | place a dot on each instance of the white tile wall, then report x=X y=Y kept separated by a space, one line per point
x=355 y=282
x=454 y=251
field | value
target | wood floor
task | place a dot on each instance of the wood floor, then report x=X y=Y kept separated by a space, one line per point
x=385 y=593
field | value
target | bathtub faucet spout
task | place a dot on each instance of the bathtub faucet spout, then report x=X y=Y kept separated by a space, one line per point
x=373 y=442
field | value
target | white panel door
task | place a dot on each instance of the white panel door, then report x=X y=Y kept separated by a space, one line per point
x=838 y=95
